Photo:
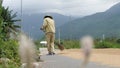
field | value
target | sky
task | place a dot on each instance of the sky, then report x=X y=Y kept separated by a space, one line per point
x=65 y=7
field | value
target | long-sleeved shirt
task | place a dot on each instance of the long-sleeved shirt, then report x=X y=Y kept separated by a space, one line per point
x=48 y=25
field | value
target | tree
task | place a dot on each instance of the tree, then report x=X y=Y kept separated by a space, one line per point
x=1 y=19
x=8 y=49
x=8 y=24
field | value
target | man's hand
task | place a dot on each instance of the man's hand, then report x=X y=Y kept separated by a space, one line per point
x=41 y=28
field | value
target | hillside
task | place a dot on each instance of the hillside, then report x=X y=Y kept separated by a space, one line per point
x=107 y=23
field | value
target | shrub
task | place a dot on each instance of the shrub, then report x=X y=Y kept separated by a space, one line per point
x=68 y=44
x=118 y=41
x=106 y=44
x=9 y=49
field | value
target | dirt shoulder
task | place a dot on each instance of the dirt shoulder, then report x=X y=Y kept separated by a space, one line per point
x=109 y=57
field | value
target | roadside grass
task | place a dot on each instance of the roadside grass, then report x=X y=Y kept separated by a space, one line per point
x=9 y=49
x=9 y=66
x=71 y=44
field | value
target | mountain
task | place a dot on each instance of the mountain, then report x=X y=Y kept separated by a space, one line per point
x=107 y=23
x=31 y=23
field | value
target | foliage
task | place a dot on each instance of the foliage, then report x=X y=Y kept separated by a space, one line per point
x=68 y=44
x=8 y=49
x=1 y=20
x=107 y=43
x=118 y=41
x=8 y=22
x=10 y=65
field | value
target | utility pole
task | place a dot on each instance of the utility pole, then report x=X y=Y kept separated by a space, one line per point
x=70 y=19
x=59 y=35
x=21 y=6
x=103 y=37
x=21 y=14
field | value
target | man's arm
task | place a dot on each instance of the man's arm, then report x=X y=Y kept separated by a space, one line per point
x=44 y=25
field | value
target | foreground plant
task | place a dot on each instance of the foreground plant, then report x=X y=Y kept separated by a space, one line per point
x=27 y=52
x=86 y=45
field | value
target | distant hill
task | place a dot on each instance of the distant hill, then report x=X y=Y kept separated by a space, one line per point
x=31 y=23
x=107 y=23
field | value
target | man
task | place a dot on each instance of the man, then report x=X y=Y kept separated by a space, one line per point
x=49 y=29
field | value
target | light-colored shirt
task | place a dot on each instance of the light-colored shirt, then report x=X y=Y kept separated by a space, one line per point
x=48 y=25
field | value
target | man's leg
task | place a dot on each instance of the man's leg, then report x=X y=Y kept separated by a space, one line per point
x=48 y=42
x=52 y=42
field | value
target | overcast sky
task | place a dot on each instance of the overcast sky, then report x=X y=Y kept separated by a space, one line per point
x=66 y=7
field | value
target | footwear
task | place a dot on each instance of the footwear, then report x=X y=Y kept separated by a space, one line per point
x=53 y=53
x=49 y=54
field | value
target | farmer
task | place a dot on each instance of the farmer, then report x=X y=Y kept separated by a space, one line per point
x=49 y=30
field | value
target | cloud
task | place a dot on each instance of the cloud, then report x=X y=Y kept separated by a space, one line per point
x=66 y=7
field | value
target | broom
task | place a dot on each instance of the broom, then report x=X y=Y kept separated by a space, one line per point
x=60 y=46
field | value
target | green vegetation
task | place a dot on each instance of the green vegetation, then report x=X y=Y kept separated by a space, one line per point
x=9 y=66
x=69 y=44
x=9 y=49
x=8 y=22
x=97 y=23
x=8 y=46
x=107 y=43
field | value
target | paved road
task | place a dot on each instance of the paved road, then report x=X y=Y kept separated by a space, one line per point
x=58 y=61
